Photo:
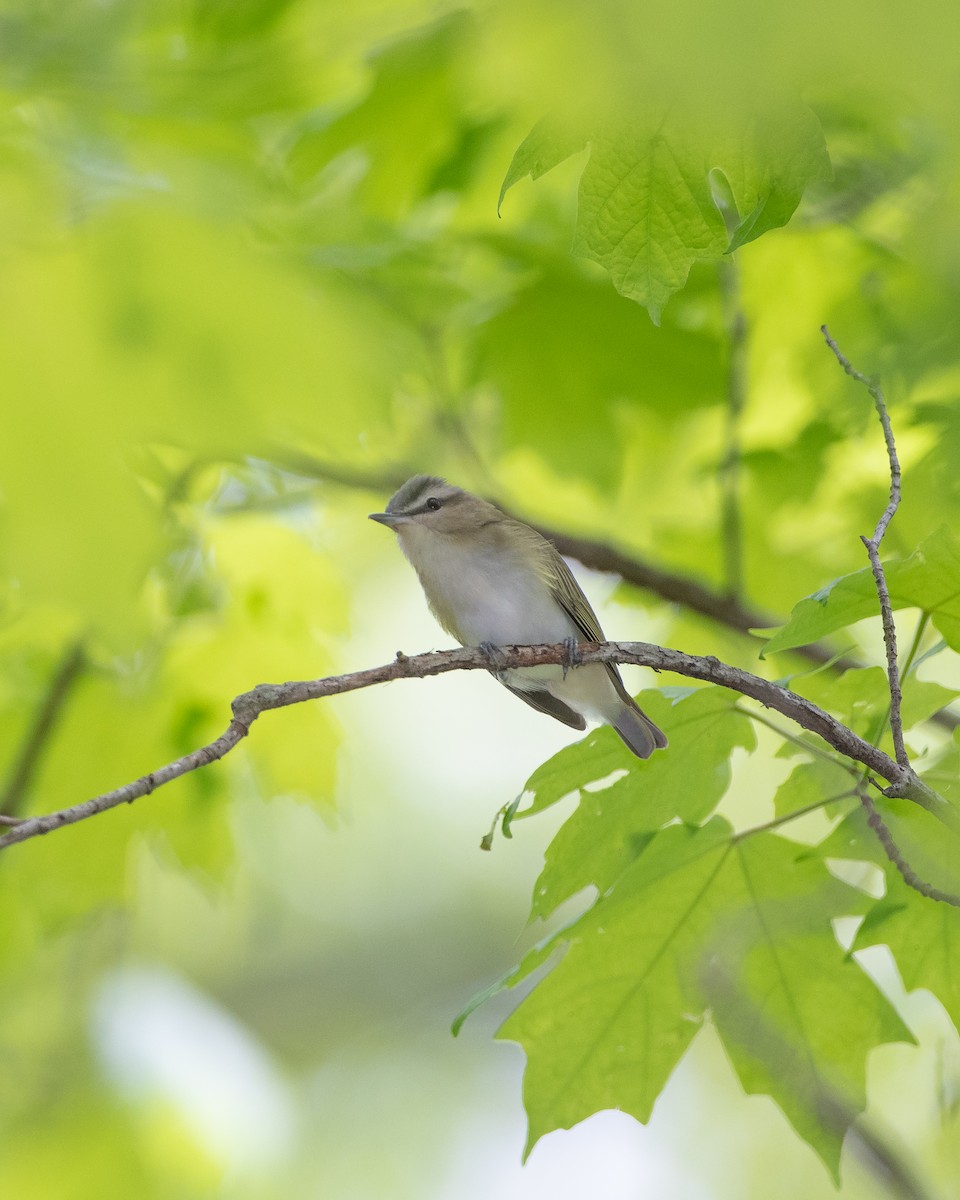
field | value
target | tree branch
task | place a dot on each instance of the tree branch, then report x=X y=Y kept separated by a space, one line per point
x=873 y=548
x=892 y=851
x=25 y=764
x=902 y=781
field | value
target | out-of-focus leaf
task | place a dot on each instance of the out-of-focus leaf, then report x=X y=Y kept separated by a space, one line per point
x=547 y=144
x=569 y=358
x=647 y=211
x=285 y=609
x=405 y=128
x=769 y=161
x=166 y=330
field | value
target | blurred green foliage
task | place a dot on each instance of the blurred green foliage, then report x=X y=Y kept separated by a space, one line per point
x=253 y=272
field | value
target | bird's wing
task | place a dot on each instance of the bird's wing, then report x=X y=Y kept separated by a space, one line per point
x=569 y=595
x=546 y=702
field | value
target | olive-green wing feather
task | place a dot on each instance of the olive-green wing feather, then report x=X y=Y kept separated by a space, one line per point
x=570 y=597
x=635 y=728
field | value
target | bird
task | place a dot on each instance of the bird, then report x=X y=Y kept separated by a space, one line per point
x=491 y=581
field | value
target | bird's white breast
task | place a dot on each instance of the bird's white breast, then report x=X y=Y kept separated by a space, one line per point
x=486 y=594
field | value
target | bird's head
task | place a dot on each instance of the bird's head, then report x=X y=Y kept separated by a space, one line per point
x=427 y=504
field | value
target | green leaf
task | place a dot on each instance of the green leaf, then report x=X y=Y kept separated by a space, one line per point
x=839 y=603
x=861 y=698
x=607 y=1025
x=774 y=154
x=929 y=580
x=646 y=213
x=546 y=146
x=810 y=783
x=797 y=1021
x=592 y=353
x=646 y=206
x=930 y=849
x=923 y=936
x=943 y=774
x=611 y=825
x=405 y=130
x=853 y=840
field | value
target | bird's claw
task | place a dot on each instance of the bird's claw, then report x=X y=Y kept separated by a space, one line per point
x=572 y=658
x=494 y=656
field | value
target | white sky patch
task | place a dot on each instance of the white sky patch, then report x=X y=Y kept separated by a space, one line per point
x=160 y=1038
x=609 y=1155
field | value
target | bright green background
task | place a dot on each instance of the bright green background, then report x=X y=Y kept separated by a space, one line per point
x=252 y=274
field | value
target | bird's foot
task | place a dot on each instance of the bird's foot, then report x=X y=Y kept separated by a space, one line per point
x=494 y=656
x=572 y=658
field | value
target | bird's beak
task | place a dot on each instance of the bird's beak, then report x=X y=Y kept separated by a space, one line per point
x=391 y=520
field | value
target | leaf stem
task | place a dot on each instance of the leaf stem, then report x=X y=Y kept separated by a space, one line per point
x=776 y=822
x=915 y=644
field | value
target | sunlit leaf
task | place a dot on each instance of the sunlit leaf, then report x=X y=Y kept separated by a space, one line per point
x=929 y=580
x=613 y=822
x=924 y=938
x=608 y=1024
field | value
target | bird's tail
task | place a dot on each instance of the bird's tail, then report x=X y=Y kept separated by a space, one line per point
x=638 y=732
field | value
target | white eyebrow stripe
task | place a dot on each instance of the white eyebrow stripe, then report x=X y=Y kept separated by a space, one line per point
x=412 y=497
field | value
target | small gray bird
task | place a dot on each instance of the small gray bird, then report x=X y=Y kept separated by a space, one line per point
x=492 y=581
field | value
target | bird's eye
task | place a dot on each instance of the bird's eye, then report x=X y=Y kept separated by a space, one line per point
x=433 y=504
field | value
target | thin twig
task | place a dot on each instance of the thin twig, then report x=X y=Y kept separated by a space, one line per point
x=892 y=851
x=873 y=549
x=881 y=723
x=38 y=735
x=247 y=707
